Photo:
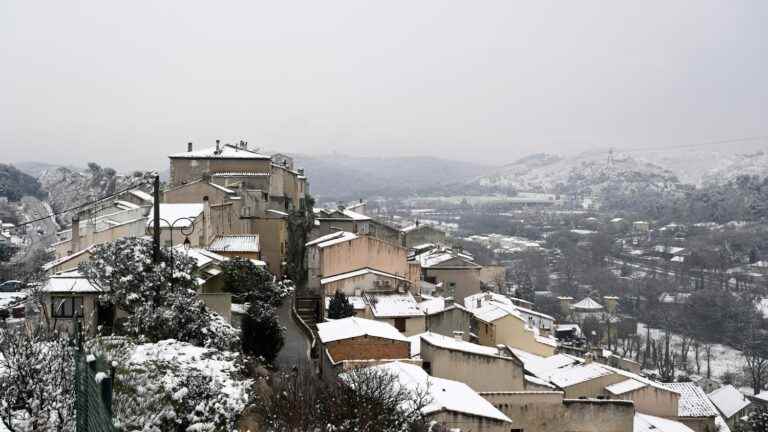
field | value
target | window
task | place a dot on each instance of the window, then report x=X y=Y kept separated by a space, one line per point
x=66 y=307
x=400 y=324
x=427 y=366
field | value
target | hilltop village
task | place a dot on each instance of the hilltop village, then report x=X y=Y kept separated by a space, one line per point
x=229 y=276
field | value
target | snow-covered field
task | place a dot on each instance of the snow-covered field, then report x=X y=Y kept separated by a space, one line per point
x=724 y=358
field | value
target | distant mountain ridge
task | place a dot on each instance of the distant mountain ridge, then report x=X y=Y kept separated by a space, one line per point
x=342 y=177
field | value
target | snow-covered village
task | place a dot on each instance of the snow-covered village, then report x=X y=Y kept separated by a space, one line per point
x=383 y=217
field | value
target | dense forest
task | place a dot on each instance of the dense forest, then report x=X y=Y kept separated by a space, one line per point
x=15 y=184
x=743 y=199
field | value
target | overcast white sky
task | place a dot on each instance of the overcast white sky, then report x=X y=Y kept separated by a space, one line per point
x=125 y=83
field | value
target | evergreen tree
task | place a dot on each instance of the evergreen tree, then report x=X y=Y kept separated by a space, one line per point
x=340 y=307
x=249 y=283
x=300 y=223
x=262 y=334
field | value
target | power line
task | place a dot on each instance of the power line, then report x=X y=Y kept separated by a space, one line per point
x=82 y=205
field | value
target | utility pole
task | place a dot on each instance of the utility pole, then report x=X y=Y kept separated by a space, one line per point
x=156 y=222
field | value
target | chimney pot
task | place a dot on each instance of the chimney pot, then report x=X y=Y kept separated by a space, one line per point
x=458 y=335
x=502 y=349
x=218 y=146
x=189 y=147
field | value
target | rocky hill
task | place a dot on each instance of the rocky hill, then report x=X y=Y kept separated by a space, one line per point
x=68 y=188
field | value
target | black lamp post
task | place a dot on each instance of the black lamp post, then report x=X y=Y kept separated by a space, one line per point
x=186 y=230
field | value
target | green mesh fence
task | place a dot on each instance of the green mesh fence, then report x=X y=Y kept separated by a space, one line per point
x=93 y=396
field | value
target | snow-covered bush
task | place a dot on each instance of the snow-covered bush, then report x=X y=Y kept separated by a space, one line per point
x=36 y=380
x=160 y=300
x=249 y=283
x=173 y=386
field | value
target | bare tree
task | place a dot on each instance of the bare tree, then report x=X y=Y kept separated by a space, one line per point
x=36 y=386
x=367 y=399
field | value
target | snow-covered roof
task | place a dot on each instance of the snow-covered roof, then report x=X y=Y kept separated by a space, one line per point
x=360 y=272
x=222 y=188
x=340 y=213
x=542 y=367
x=176 y=215
x=648 y=423
x=452 y=343
x=576 y=374
x=70 y=282
x=241 y=174
x=729 y=400
x=57 y=262
x=235 y=243
x=201 y=256
x=446 y=395
x=351 y=327
x=588 y=304
x=432 y=305
x=674 y=250
x=527 y=311
x=434 y=259
x=492 y=312
x=693 y=400
x=471 y=302
x=332 y=239
x=625 y=386
x=357 y=302
x=226 y=151
x=388 y=305
x=138 y=193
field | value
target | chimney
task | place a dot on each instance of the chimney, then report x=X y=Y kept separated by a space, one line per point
x=588 y=358
x=458 y=335
x=206 y=222
x=479 y=303
x=218 y=146
x=502 y=350
x=189 y=147
x=448 y=301
x=74 y=243
x=301 y=171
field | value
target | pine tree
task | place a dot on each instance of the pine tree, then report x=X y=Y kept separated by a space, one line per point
x=262 y=334
x=340 y=307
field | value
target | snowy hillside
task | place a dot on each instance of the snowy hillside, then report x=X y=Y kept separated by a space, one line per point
x=731 y=166
x=589 y=172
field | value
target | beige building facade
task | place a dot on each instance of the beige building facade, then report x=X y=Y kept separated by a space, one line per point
x=551 y=411
x=481 y=368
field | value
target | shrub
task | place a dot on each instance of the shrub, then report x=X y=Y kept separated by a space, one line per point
x=262 y=334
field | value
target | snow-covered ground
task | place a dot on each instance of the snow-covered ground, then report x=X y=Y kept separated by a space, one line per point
x=724 y=358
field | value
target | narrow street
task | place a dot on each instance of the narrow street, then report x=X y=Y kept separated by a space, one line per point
x=296 y=349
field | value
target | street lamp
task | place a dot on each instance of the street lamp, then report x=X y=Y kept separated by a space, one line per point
x=186 y=229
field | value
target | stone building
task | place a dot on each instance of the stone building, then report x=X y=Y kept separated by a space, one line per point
x=481 y=367
x=353 y=342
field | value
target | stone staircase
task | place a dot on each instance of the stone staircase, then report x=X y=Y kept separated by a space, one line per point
x=308 y=309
